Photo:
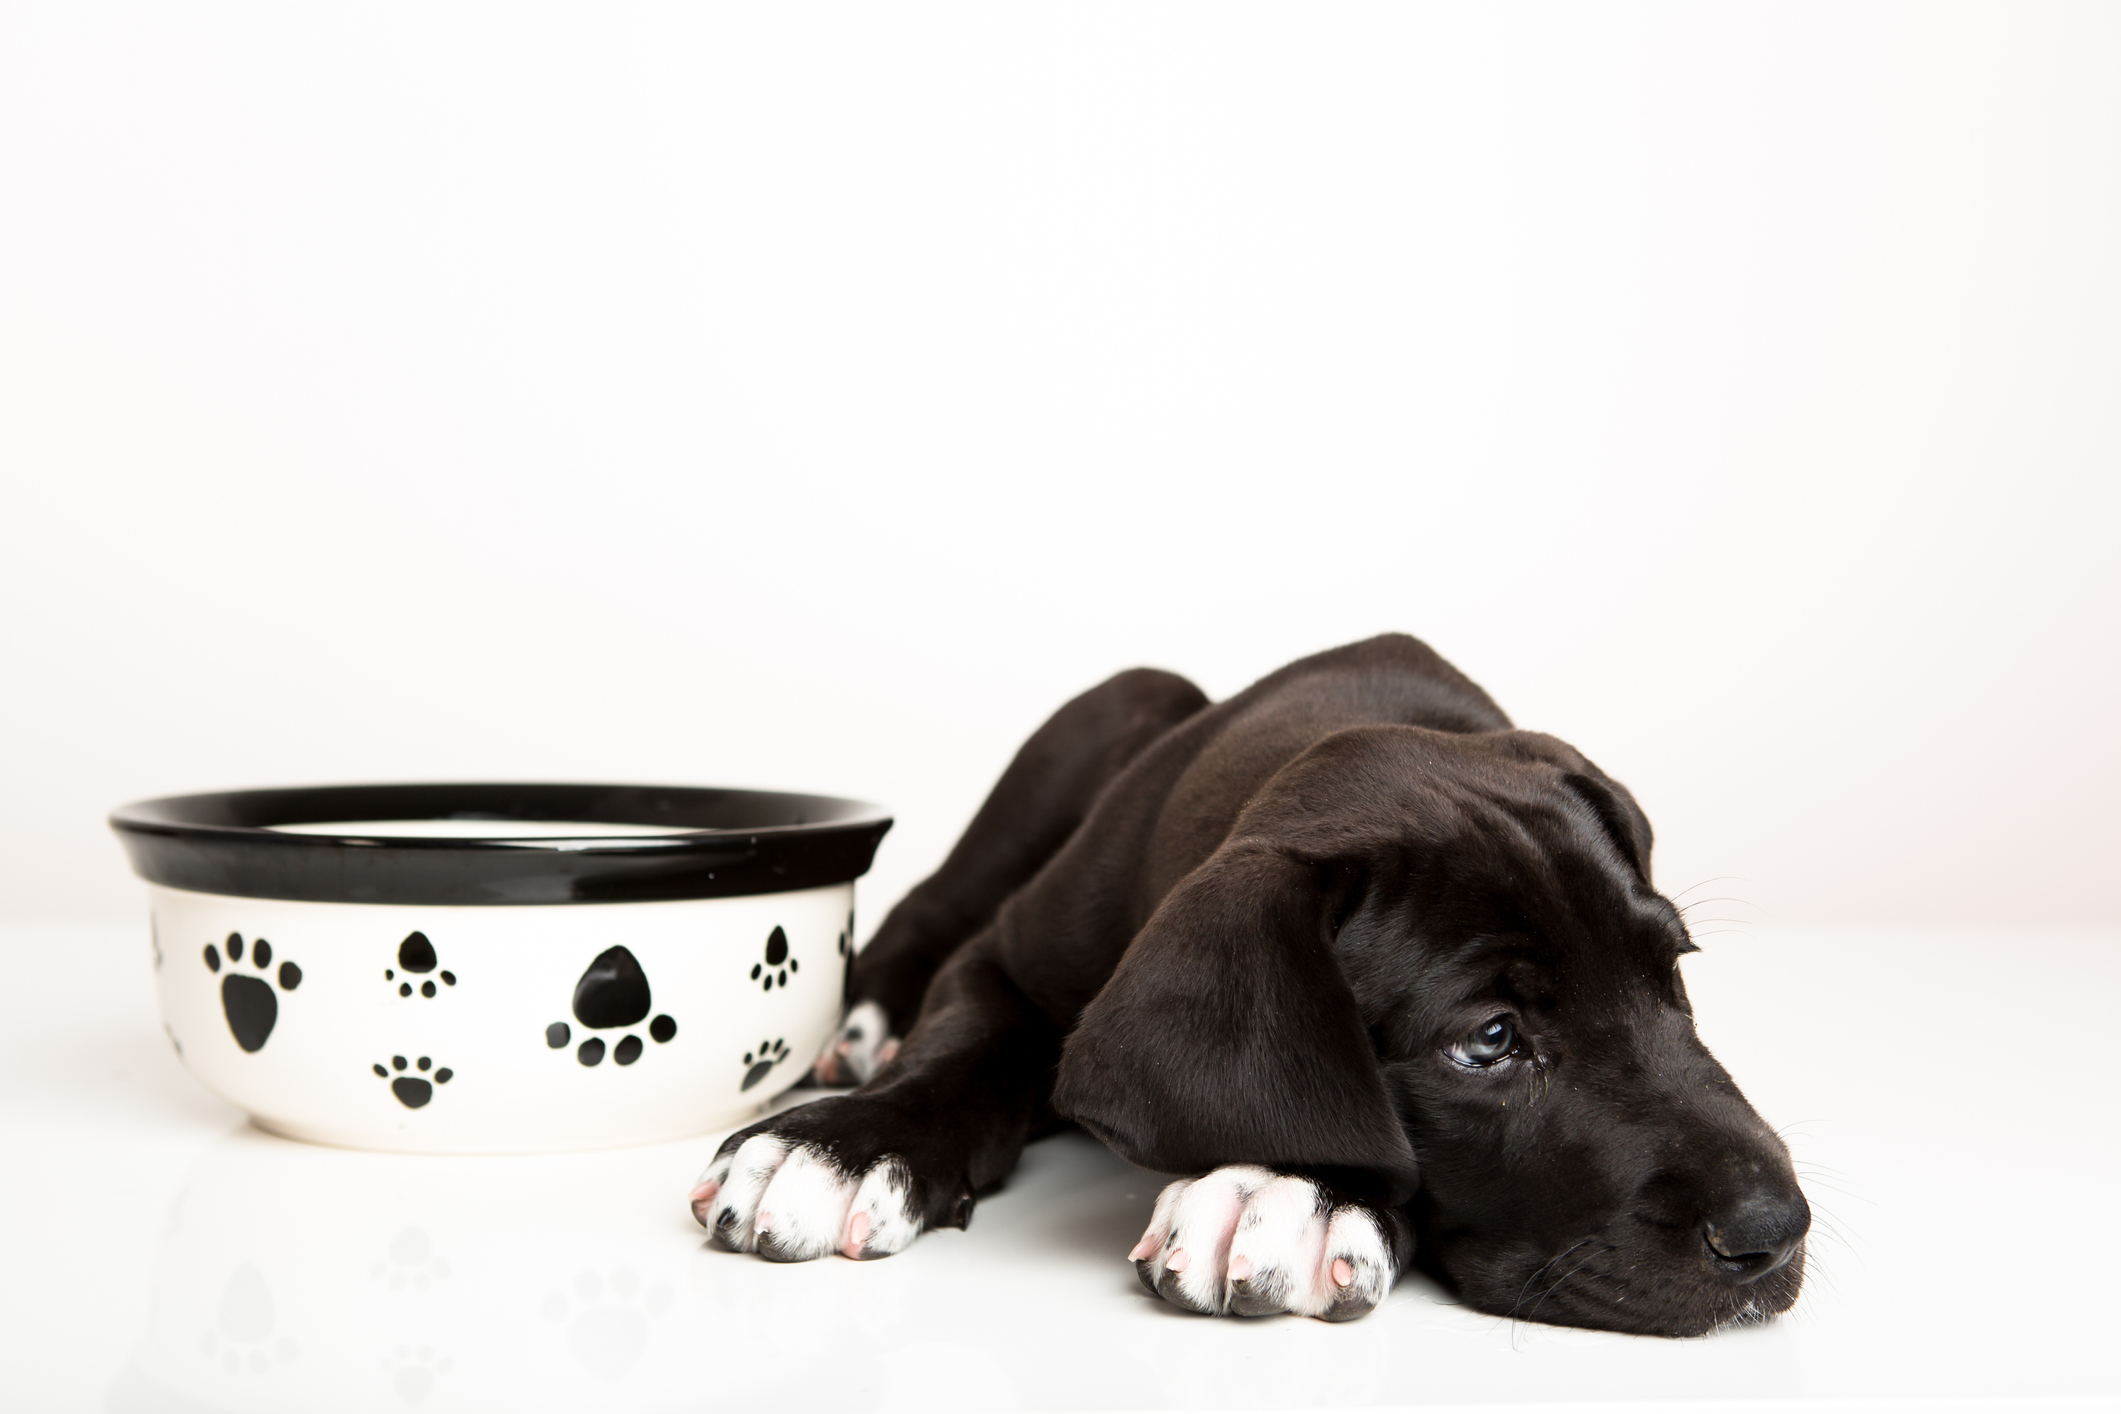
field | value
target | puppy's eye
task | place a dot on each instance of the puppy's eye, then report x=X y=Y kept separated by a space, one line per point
x=1492 y=1041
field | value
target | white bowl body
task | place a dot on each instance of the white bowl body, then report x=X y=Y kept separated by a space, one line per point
x=351 y=1048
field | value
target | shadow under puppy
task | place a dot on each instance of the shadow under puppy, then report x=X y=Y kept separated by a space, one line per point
x=1384 y=977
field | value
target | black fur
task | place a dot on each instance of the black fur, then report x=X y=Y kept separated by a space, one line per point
x=1252 y=932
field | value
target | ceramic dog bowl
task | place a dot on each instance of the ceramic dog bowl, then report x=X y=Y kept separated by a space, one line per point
x=500 y=968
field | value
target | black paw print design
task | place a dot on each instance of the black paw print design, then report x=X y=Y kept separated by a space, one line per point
x=612 y=992
x=778 y=964
x=758 y=1062
x=416 y=956
x=249 y=1002
x=414 y=1091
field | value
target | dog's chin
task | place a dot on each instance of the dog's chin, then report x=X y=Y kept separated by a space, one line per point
x=1769 y=1297
x=1613 y=1289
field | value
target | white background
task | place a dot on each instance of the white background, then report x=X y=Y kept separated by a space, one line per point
x=815 y=397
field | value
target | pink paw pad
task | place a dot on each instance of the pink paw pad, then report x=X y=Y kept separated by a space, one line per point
x=857 y=1234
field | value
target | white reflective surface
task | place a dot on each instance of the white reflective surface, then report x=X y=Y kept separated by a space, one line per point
x=1947 y=1096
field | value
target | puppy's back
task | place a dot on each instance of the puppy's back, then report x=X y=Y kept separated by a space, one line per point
x=1063 y=933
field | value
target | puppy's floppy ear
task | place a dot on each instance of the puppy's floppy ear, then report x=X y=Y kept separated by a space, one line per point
x=1617 y=812
x=1228 y=1034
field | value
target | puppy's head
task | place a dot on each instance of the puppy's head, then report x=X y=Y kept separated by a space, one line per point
x=1434 y=964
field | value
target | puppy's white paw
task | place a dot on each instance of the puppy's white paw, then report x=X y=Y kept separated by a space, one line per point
x=792 y=1202
x=859 y=1049
x=1244 y=1241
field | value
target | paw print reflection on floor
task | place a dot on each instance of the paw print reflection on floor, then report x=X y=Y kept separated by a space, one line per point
x=410 y=1264
x=608 y=1328
x=243 y=1334
x=414 y=1372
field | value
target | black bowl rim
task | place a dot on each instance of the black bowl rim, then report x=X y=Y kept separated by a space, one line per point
x=223 y=842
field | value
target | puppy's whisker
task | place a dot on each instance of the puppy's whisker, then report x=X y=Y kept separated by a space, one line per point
x=1556 y=1284
x=1815 y=1264
x=1812 y=1180
x=1684 y=909
x=1527 y=1287
x=1815 y=1271
x=1825 y=1220
x=1838 y=1182
x=1533 y=1314
x=1704 y=883
x=1826 y=1223
x=1813 y=1164
x=1820 y=1176
x=1807 y=1166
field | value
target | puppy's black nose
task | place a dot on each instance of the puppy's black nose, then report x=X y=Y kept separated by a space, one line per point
x=1756 y=1233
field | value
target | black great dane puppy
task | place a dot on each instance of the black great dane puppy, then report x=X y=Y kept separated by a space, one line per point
x=1384 y=978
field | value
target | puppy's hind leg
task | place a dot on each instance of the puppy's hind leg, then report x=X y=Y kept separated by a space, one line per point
x=1040 y=800
x=863 y=1045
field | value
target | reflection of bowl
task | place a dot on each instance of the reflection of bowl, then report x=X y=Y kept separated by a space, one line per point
x=291 y=1277
x=296 y=1277
x=500 y=968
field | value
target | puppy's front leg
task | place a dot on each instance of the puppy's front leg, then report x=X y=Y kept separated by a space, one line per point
x=1248 y=1241
x=866 y=1173
x=835 y=1176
